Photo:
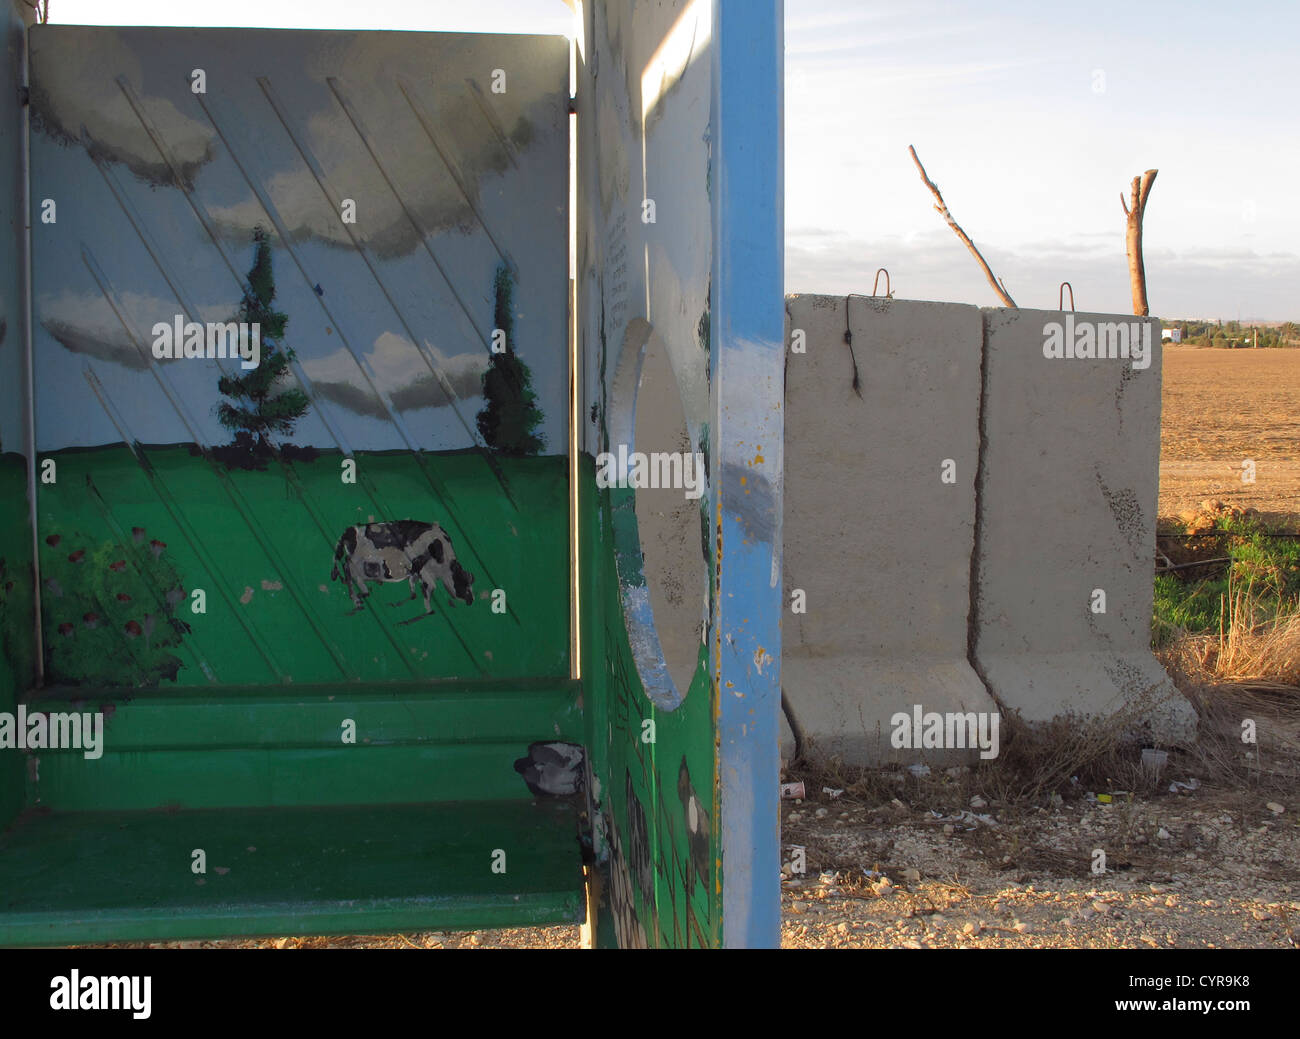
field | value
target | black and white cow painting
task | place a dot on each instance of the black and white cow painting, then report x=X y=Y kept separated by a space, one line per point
x=401 y=550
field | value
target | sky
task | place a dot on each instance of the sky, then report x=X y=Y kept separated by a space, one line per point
x=1032 y=118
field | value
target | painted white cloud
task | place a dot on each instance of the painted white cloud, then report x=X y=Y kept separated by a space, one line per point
x=400 y=372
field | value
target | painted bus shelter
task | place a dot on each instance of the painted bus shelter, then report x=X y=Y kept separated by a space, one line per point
x=391 y=445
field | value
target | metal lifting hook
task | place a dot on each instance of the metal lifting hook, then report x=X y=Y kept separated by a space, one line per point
x=875 y=288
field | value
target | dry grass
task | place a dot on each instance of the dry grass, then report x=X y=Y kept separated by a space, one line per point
x=1246 y=673
x=1257 y=645
x=1071 y=754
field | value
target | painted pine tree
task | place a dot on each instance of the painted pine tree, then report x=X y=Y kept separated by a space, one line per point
x=510 y=416
x=259 y=404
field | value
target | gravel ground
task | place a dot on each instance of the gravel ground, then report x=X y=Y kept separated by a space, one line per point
x=1203 y=869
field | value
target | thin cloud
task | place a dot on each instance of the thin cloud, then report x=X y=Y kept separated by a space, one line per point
x=925 y=266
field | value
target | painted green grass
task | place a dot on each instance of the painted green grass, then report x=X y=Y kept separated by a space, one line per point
x=17 y=611
x=260 y=545
x=16 y=598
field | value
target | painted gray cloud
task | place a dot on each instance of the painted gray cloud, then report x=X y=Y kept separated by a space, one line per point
x=401 y=372
x=425 y=392
x=85 y=324
x=68 y=96
x=117 y=349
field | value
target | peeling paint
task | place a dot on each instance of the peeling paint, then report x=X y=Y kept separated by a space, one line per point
x=553 y=769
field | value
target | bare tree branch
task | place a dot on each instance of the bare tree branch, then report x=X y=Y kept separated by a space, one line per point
x=1134 y=209
x=942 y=210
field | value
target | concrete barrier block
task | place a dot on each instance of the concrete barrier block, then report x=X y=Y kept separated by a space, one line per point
x=1066 y=526
x=879 y=520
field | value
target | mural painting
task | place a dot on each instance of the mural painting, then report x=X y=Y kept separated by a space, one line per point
x=299 y=311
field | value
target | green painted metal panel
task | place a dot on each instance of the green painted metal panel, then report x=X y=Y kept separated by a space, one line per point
x=311 y=716
x=457 y=741
x=286 y=871
x=250 y=777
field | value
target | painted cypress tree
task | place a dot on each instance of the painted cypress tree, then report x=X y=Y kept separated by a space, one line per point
x=261 y=405
x=510 y=415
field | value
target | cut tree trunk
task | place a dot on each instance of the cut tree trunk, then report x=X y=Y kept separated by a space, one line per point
x=1134 y=211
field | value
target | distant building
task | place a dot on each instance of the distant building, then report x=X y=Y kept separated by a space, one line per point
x=1172 y=335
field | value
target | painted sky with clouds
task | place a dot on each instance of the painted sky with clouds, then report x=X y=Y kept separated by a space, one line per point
x=390 y=337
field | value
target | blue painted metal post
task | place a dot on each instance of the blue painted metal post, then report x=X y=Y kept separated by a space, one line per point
x=748 y=354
